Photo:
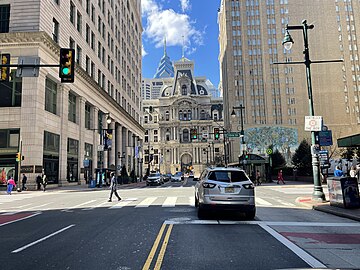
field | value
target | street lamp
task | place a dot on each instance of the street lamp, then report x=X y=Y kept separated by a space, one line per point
x=233 y=114
x=318 y=193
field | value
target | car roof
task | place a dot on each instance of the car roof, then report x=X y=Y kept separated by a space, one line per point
x=225 y=169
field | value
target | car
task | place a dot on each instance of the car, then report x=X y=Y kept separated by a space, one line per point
x=177 y=177
x=154 y=179
x=167 y=177
x=191 y=175
x=225 y=189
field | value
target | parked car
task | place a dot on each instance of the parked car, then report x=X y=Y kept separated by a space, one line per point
x=177 y=177
x=191 y=175
x=154 y=179
x=167 y=177
x=225 y=189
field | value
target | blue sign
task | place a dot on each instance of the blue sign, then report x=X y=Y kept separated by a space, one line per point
x=325 y=138
x=86 y=163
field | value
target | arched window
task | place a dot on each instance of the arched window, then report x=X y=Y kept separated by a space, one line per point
x=184 y=90
x=189 y=115
x=202 y=115
x=180 y=115
x=167 y=116
x=167 y=135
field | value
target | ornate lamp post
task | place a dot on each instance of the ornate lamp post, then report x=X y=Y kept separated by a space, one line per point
x=318 y=193
x=108 y=121
x=233 y=114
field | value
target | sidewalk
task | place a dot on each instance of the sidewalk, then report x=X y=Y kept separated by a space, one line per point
x=353 y=214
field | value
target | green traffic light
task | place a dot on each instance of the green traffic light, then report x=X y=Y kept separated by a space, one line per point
x=65 y=71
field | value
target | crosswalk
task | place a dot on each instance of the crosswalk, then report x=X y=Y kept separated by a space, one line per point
x=141 y=202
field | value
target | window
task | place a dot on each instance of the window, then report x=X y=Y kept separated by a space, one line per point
x=87 y=65
x=11 y=92
x=87 y=34
x=88 y=7
x=50 y=96
x=72 y=108
x=78 y=55
x=87 y=116
x=186 y=137
x=55 y=30
x=4 y=18
x=79 y=22
x=184 y=90
x=72 y=43
x=72 y=13
x=92 y=41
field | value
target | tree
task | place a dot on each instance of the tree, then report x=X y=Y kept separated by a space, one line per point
x=302 y=159
x=277 y=159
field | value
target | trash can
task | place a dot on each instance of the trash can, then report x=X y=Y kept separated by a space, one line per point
x=343 y=192
x=92 y=183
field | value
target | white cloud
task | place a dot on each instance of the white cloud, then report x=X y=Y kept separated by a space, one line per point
x=185 y=5
x=143 y=52
x=177 y=28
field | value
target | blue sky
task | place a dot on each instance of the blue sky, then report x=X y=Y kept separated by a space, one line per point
x=189 y=22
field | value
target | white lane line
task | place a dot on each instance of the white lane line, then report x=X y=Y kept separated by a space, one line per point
x=302 y=254
x=77 y=206
x=169 y=202
x=120 y=204
x=3 y=224
x=146 y=202
x=42 y=239
x=259 y=201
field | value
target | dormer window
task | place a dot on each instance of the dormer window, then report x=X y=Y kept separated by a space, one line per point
x=184 y=90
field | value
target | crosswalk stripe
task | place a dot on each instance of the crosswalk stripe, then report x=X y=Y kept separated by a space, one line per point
x=146 y=202
x=285 y=203
x=259 y=201
x=120 y=205
x=192 y=201
x=169 y=202
x=77 y=206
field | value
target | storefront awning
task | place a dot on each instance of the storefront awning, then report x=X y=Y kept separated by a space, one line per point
x=350 y=141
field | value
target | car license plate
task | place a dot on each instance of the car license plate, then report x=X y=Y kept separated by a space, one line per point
x=229 y=190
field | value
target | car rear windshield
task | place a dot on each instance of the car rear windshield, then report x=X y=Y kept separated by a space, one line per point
x=228 y=176
x=154 y=175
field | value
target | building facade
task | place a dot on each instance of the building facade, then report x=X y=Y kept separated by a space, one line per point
x=59 y=128
x=179 y=125
x=275 y=97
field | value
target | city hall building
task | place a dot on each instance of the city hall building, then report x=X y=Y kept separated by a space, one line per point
x=179 y=124
x=58 y=128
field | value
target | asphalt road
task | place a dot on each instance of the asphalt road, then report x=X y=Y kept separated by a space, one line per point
x=158 y=228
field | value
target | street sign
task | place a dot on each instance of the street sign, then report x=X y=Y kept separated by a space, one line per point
x=233 y=134
x=28 y=71
x=100 y=147
x=324 y=159
x=325 y=138
x=269 y=151
x=313 y=123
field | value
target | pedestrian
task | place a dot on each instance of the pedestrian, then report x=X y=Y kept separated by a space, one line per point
x=352 y=171
x=280 y=177
x=338 y=172
x=253 y=177
x=258 y=178
x=113 y=186
x=44 y=181
x=24 y=179
x=38 y=182
x=10 y=185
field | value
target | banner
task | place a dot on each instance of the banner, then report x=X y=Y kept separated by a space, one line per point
x=107 y=139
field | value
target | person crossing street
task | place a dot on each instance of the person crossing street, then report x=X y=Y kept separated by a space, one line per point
x=113 y=186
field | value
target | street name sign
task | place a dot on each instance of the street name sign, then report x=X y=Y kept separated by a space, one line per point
x=233 y=134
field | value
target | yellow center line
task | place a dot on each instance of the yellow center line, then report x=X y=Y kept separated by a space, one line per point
x=163 y=248
x=154 y=248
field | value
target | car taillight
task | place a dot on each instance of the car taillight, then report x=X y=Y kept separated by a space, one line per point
x=208 y=185
x=248 y=186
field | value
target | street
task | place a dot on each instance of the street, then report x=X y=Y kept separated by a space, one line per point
x=157 y=228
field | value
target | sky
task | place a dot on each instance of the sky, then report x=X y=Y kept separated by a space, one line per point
x=192 y=23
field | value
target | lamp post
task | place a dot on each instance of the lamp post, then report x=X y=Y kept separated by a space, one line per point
x=233 y=114
x=318 y=193
x=108 y=121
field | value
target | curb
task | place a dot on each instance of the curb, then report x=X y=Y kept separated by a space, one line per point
x=336 y=213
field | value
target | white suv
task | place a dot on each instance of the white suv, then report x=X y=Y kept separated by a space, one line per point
x=225 y=189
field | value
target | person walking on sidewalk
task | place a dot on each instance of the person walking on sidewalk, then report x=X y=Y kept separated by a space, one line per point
x=113 y=186
x=44 y=182
x=24 y=179
x=258 y=178
x=280 y=177
x=10 y=185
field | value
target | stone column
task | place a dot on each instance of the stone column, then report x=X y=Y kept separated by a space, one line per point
x=81 y=156
x=105 y=153
x=63 y=110
x=118 y=146
x=124 y=144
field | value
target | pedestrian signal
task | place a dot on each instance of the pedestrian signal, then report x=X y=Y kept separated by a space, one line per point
x=216 y=133
x=67 y=65
x=5 y=71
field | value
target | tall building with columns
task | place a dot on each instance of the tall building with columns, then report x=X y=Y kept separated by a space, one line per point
x=179 y=125
x=275 y=97
x=58 y=128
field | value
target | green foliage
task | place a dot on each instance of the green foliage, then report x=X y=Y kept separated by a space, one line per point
x=302 y=159
x=278 y=160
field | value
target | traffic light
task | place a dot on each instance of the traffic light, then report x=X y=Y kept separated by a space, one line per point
x=5 y=71
x=67 y=65
x=216 y=133
x=18 y=156
x=246 y=156
x=193 y=132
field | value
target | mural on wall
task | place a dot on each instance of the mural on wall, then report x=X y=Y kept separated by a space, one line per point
x=282 y=138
